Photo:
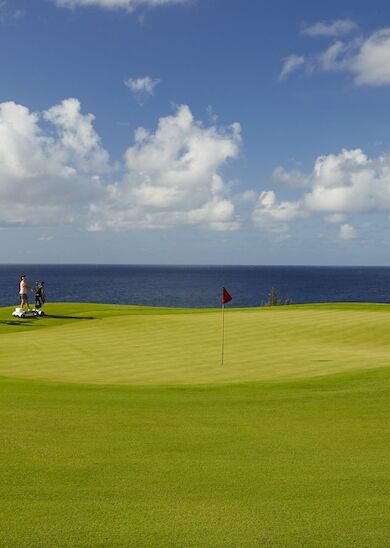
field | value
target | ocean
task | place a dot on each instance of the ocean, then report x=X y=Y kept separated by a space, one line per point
x=198 y=286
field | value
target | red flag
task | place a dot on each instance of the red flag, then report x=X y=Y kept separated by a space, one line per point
x=226 y=297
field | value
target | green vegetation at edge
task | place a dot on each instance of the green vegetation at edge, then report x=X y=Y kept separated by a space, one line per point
x=208 y=462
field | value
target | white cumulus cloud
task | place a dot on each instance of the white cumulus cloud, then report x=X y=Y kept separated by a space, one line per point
x=365 y=59
x=47 y=176
x=54 y=171
x=340 y=184
x=172 y=178
x=350 y=182
x=9 y=14
x=335 y=218
x=129 y=5
x=371 y=64
x=77 y=139
x=291 y=63
x=347 y=232
x=336 y=57
x=335 y=28
x=293 y=178
x=274 y=215
x=143 y=87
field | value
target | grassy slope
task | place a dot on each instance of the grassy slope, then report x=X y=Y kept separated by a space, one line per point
x=293 y=463
x=131 y=345
x=304 y=463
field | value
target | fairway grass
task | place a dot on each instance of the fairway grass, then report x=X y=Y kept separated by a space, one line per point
x=119 y=427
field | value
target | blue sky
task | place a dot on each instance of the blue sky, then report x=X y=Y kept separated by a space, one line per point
x=203 y=132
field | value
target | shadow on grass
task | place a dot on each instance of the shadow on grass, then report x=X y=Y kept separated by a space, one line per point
x=57 y=317
x=15 y=323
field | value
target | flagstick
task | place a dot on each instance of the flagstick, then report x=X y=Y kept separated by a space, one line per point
x=226 y=298
x=223 y=332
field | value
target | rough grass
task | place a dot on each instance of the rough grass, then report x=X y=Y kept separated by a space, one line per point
x=299 y=462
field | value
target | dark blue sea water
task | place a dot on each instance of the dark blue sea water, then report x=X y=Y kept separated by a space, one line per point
x=198 y=286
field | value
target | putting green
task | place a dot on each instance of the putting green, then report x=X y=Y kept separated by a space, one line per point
x=108 y=344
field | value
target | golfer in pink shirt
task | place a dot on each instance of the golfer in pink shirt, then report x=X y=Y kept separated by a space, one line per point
x=23 y=288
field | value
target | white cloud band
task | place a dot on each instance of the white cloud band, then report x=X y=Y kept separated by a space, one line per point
x=58 y=172
x=129 y=5
x=335 y=28
x=347 y=183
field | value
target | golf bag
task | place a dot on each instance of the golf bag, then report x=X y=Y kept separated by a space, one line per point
x=40 y=297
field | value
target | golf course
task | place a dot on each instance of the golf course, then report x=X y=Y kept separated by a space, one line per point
x=120 y=426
